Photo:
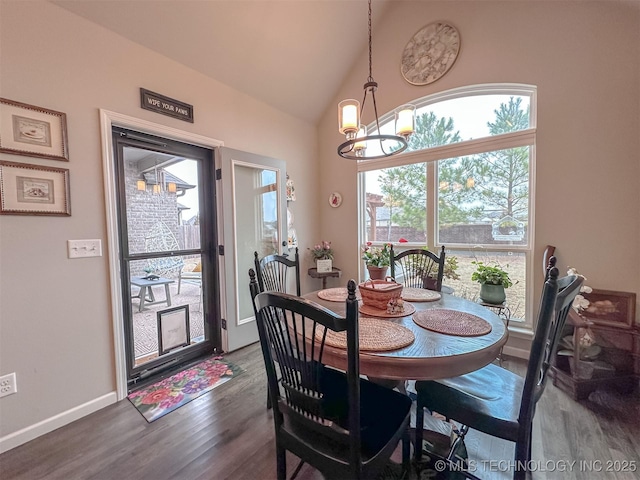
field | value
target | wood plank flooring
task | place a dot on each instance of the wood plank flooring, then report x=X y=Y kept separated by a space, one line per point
x=228 y=434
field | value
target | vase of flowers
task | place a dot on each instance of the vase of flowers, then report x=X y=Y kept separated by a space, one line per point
x=322 y=254
x=377 y=260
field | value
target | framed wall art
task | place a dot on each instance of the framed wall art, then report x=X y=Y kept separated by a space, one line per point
x=34 y=190
x=33 y=131
x=430 y=53
x=612 y=308
x=173 y=329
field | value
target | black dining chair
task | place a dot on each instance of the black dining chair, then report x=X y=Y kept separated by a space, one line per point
x=418 y=268
x=494 y=400
x=273 y=272
x=341 y=424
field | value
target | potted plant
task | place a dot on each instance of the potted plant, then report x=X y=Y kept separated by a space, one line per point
x=377 y=260
x=322 y=254
x=493 y=280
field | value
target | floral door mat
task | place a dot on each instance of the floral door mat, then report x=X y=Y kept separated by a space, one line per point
x=168 y=394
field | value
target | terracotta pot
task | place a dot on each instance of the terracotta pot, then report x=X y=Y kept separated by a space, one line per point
x=377 y=273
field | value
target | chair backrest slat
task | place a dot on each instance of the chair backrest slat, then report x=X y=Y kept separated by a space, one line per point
x=273 y=272
x=418 y=268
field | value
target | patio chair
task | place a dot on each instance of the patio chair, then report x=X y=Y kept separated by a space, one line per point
x=494 y=400
x=341 y=424
x=191 y=276
x=418 y=268
x=161 y=239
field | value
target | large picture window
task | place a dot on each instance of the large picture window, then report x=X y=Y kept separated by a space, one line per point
x=466 y=183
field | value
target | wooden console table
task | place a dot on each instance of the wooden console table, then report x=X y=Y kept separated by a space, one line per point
x=335 y=272
x=620 y=349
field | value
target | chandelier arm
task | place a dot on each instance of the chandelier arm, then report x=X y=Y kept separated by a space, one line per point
x=345 y=149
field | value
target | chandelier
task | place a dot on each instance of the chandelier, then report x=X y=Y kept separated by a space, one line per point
x=357 y=140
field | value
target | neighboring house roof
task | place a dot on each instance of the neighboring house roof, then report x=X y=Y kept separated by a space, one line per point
x=150 y=178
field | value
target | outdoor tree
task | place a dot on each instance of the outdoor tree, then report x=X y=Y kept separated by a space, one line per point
x=404 y=188
x=502 y=177
x=468 y=187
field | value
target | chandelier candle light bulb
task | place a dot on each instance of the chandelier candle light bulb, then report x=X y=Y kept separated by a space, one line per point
x=349 y=116
x=361 y=146
x=405 y=120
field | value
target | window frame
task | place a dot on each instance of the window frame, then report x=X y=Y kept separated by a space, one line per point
x=431 y=156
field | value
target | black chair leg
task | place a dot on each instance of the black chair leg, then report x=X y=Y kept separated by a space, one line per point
x=417 y=454
x=406 y=455
x=268 y=400
x=281 y=461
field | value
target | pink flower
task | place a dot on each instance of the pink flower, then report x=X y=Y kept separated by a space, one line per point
x=171 y=401
x=156 y=396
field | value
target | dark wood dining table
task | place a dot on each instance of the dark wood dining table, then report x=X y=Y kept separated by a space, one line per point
x=432 y=355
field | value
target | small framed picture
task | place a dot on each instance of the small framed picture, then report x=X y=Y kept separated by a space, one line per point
x=324 y=266
x=173 y=329
x=33 y=190
x=33 y=131
x=335 y=199
x=609 y=307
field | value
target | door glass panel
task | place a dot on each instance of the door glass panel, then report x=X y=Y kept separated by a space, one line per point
x=162 y=202
x=256 y=223
x=151 y=295
x=163 y=227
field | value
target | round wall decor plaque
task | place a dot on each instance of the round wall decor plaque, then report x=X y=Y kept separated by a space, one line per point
x=430 y=53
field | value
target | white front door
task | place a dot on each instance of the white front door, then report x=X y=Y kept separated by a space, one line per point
x=254 y=213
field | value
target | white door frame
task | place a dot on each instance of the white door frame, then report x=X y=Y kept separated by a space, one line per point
x=108 y=120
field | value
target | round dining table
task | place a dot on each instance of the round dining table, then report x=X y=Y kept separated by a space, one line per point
x=431 y=355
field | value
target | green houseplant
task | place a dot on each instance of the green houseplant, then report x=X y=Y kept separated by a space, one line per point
x=493 y=280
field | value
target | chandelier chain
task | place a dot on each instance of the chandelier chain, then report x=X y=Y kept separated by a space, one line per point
x=356 y=134
x=370 y=79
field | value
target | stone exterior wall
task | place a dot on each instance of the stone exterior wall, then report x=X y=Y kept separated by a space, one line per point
x=144 y=210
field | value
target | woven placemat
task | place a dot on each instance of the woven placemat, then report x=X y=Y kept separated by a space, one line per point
x=452 y=322
x=375 y=336
x=411 y=294
x=337 y=294
x=377 y=312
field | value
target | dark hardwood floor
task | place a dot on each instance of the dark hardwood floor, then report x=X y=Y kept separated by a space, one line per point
x=228 y=434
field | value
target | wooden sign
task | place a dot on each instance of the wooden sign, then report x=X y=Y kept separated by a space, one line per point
x=165 y=105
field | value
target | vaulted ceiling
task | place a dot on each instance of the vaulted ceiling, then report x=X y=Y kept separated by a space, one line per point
x=290 y=54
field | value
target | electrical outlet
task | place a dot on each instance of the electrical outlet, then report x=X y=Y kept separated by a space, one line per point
x=84 y=248
x=8 y=385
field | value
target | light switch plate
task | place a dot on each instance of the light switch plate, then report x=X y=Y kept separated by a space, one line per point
x=84 y=248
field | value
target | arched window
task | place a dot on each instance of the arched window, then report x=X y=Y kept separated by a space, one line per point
x=464 y=182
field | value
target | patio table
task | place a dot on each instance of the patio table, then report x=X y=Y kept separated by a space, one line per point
x=146 y=291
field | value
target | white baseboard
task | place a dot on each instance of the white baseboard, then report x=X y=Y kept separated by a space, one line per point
x=45 y=426
x=516 y=352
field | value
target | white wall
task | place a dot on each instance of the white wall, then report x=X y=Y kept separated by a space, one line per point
x=55 y=321
x=585 y=59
